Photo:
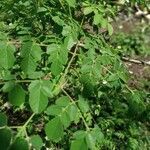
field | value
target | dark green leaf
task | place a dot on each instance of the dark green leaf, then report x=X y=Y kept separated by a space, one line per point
x=31 y=53
x=17 y=96
x=19 y=144
x=3 y=120
x=5 y=138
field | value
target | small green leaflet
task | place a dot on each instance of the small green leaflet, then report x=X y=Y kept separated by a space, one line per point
x=97 y=18
x=54 y=129
x=58 y=57
x=36 y=142
x=83 y=105
x=94 y=137
x=17 y=95
x=87 y=139
x=88 y=10
x=8 y=86
x=71 y=3
x=39 y=90
x=19 y=144
x=7 y=58
x=110 y=29
x=30 y=53
x=79 y=144
x=66 y=110
x=5 y=138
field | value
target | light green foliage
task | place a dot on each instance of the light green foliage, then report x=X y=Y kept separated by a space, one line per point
x=62 y=82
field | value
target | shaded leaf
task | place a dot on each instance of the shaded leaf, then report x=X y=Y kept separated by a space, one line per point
x=5 y=138
x=31 y=53
x=19 y=144
x=17 y=96
x=3 y=120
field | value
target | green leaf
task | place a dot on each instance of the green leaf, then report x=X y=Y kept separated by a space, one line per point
x=54 y=129
x=17 y=96
x=36 y=75
x=56 y=68
x=31 y=53
x=3 y=120
x=83 y=105
x=72 y=112
x=36 y=142
x=38 y=97
x=79 y=144
x=94 y=137
x=5 y=138
x=54 y=110
x=46 y=87
x=80 y=134
x=8 y=86
x=58 y=20
x=110 y=29
x=88 y=10
x=58 y=57
x=63 y=101
x=19 y=144
x=7 y=58
x=97 y=18
x=65 y=119
x=71 y=3
x=90 y=141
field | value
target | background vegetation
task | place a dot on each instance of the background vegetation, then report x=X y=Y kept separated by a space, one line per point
x=62 y=79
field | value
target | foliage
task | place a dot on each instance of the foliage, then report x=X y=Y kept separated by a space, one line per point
x=60 y=71
x=135 y=43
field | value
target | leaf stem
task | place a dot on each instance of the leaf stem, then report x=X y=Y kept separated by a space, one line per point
x=16 y=81
x=23 y=128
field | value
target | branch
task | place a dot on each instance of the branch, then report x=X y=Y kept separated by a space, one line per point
x=136 y=61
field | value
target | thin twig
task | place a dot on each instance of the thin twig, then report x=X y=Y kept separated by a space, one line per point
x=135 y=61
